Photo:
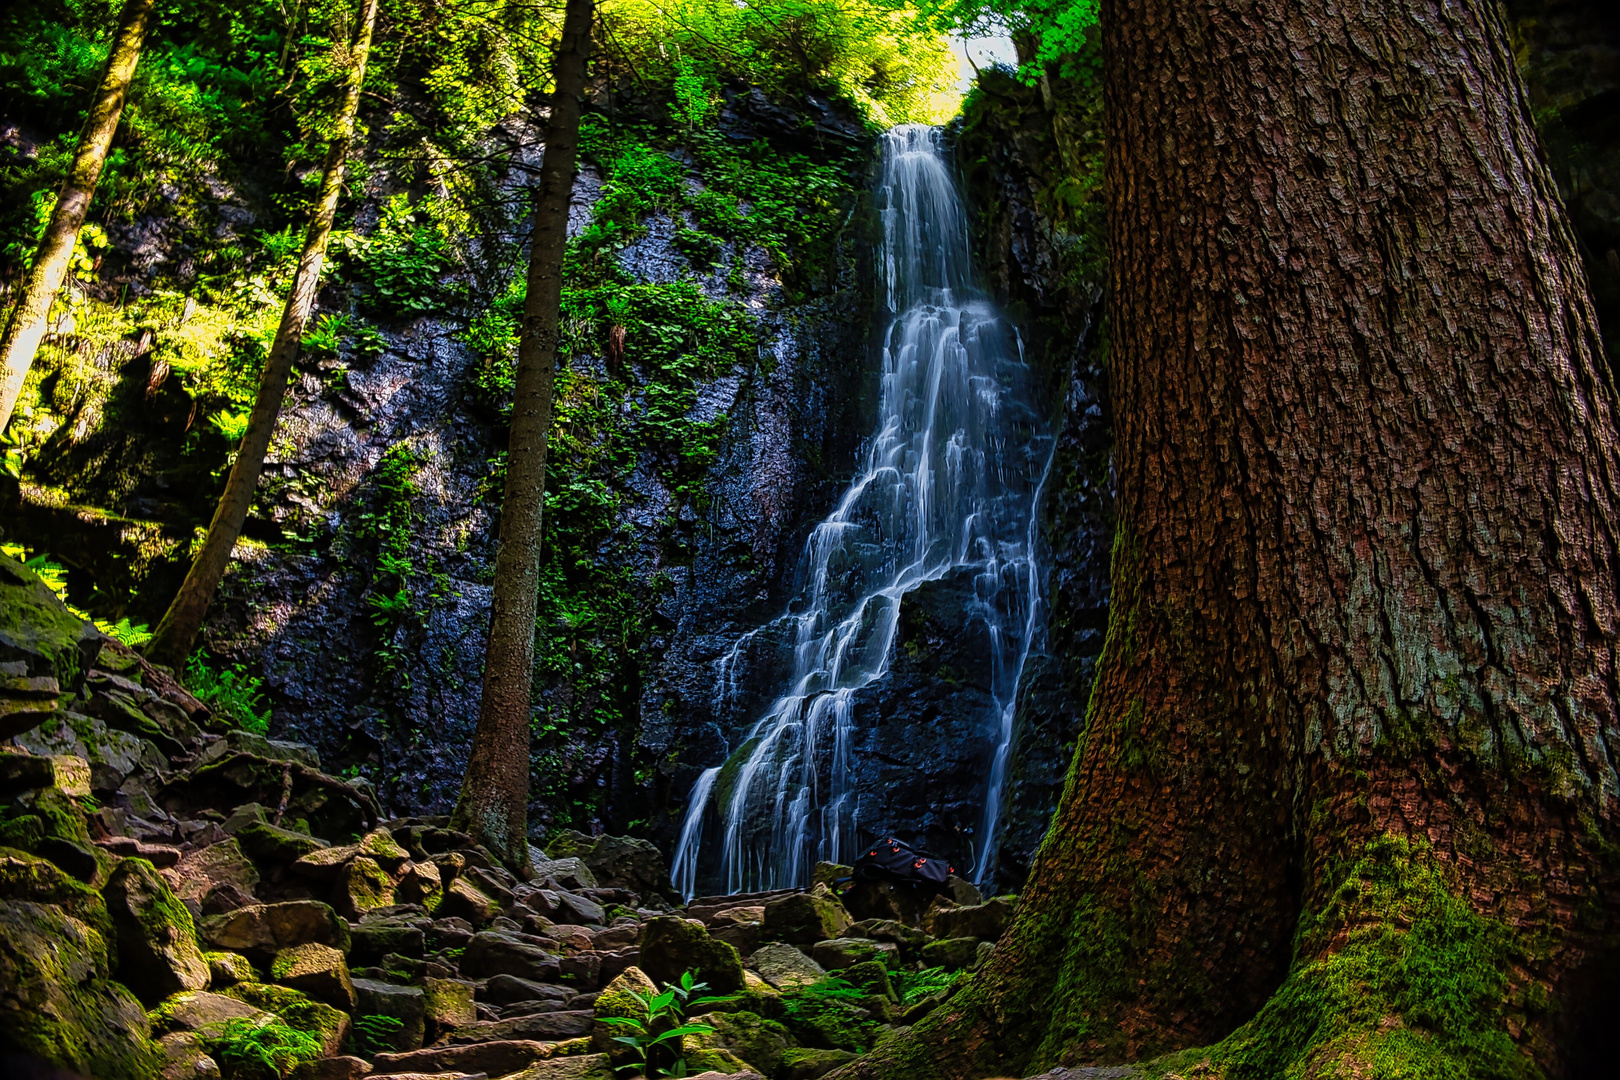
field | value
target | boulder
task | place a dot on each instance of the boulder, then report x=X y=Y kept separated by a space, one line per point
x=580 y=1067
x=464 y=900
x=566 y=874
x=237 y=741
x=200 y=873
x=329 y=1025
x=751 y=1038
x=493 y=1058
x=318 y=970
x=243 y=816
x=616 y=862
x=112 y=755
x=157 y=941
x=185 y=1057
x=785 y=967
x=908 y=938
x=804 y=919
x=963 y=891
x=420 y=883
x=29 y=877
x=986 y=920
x=803 y=1063
x=509 y=989
x=952 y=954
x=332 y=1068
x=447 y=1004
x=38 y=632
x=619 y=1000
x=715 y=1061
x=271 y=845
x=577 y=911
x=262 y=930
x=550 y=1026
x=407 y=1004
x=227 y=968
x=885 y=900
x=361 y=886
x=871 y=976
x=60 y=1003
x=373 y=938
x=201 y=1011
x=827 y=873
x=836 y=954
x=493 y=952
x=671 y=946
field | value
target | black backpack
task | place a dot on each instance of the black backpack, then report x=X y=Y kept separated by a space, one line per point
x=899 y=864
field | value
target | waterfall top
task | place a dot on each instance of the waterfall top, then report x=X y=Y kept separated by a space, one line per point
x=925 y=258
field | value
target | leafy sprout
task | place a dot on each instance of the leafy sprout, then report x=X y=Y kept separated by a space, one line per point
x=658 y=1037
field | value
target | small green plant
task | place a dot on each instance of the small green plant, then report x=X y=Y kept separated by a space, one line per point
x=230 y=423
x=229 y=692
x=913 y=986
x=260 y=1046
x=830 y=1013
x=374 y=1034
x=657 y=1039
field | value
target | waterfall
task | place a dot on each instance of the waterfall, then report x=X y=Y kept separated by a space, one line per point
x=948 y=483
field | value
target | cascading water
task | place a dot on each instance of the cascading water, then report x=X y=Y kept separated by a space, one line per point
x=948 y=483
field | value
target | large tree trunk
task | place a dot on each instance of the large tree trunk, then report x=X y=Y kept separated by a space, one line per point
x=52 y=257
x=171 y=643
x=494 y=803
x=1348 y=773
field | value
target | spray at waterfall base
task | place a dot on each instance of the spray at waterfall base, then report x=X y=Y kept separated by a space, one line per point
x=943 y=503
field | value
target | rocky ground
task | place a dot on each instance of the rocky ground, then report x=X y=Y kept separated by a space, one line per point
x=180 y=899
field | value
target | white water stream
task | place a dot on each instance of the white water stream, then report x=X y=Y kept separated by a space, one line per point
x=948 y=483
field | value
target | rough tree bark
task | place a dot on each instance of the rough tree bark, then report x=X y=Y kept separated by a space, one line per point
x=26 y=326
x=1345 y=802
x=494 y=802
x=177 y=630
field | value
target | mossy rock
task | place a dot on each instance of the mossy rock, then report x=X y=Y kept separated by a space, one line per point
x=809 y=1063
x=38 y=629
x=361 y=886
x=804 y=919
x=58 y=1003
x=28 y=877
x=447 y=1004
x=51 y=823
x=297 y=1010
x=157 y=941
x=618 y=1000
x=672 y=946
x=871 y=977
x=227 y=968
x=271 y=845
x=318 y=970
x=750 y=1037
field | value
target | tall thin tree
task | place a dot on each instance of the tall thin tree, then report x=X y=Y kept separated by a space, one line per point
x=26 y=325
x=171 y=643
x=1346 y=801
x=494 y=803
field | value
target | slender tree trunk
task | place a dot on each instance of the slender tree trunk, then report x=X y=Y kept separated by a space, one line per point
x=494 y=803
x=1346 y=796
x=171 y=644
x=26 y=326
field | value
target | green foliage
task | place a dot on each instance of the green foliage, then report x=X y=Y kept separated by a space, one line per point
x=54 y=575
x=396 y=586
x=912 y=986
x=656 y=1040
x=829 y=1014
x=229 y=692
x=374 y=1034
x=405 y=261
x=263 y=1047
x=1057 y=28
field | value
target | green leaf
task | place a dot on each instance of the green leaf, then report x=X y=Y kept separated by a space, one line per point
x=684 y=1029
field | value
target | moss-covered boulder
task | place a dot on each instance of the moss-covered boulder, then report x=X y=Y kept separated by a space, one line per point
x=28 y=877
x=464 y=900
x=952 y=954
x=750 y=1037
x=420 y=883
x=330 y=1026
x=228 y=968
x=318 y=970
x=157 y=941
x=808 y=1063
x=447 y=1004
x=871 y=977
x=271 y=846
x=804 y=919
x=51 y=823
x=201 y=1011
x=785 y=967
x=618 y=1000
x=835 y=954
x=184 y=1056
x=57 y=999
x=362 y=886
x=39 y=632
x=261 y=930
x=405 y=1004
x=616 y=862
x=985 y=921
x=672 y=946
